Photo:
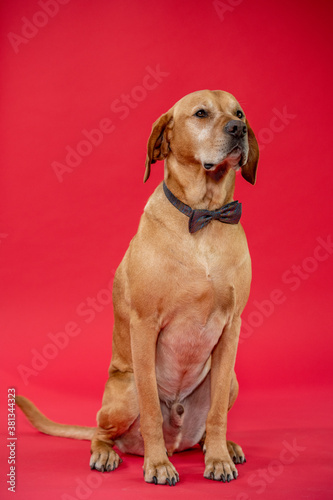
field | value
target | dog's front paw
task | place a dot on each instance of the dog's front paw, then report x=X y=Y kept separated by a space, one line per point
x=103 y=457
x=162 y=472
x=220 y=469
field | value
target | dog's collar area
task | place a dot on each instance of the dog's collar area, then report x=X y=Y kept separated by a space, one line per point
x=228 y=214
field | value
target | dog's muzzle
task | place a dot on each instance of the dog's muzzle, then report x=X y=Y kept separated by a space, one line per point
x=238 y=148
x=236 y=128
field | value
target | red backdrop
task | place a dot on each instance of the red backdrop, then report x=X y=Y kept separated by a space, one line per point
x=82 y=83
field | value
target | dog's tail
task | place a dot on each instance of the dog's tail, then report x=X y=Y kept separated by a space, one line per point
x=47 y=426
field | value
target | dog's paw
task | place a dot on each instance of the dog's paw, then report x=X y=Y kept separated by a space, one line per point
x=220 y=469
x=236 y=453
x=160 y=473
x=104 y=458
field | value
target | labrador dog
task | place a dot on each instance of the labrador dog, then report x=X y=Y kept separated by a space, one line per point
x=178 y=297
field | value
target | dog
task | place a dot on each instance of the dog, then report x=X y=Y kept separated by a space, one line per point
x=178 y=296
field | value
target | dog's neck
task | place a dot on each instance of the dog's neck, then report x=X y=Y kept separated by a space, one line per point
x=198 y=188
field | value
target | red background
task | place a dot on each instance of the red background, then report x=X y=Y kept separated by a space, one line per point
x=60 y=242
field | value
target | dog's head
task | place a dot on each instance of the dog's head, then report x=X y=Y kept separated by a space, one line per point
x=206 y=129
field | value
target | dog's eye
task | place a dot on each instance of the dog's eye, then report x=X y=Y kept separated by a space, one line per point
x=201 y=113
x=240 y=114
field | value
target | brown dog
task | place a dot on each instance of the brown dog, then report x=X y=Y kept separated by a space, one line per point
x=178 y=296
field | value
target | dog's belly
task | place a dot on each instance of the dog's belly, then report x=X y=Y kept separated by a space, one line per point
x=183 y=355
x=183 y=361
x=180 y=435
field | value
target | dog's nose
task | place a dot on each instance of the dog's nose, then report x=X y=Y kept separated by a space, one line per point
x=236 y=128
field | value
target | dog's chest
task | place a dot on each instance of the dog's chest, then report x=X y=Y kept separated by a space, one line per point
x=197 y=317
x=183 y=356
x=206 y=286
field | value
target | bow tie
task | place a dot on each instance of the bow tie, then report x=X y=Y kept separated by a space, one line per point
x=229 y=213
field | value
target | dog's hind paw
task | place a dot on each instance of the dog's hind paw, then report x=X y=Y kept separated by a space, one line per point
x=236 y=453
x=104 y=458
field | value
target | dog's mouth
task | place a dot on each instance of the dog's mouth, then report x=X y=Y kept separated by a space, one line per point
x=234 y=160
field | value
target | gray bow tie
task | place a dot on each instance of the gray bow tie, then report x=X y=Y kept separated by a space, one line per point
x=228 y=214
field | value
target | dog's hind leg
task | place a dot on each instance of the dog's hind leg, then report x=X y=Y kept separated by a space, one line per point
x=119 y=410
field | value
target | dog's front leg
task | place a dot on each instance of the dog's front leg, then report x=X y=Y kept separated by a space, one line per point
x=157 y=467
x=219 y=465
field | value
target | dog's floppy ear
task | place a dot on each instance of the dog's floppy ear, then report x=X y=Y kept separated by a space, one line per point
x=158 y=143
x=249 y=170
